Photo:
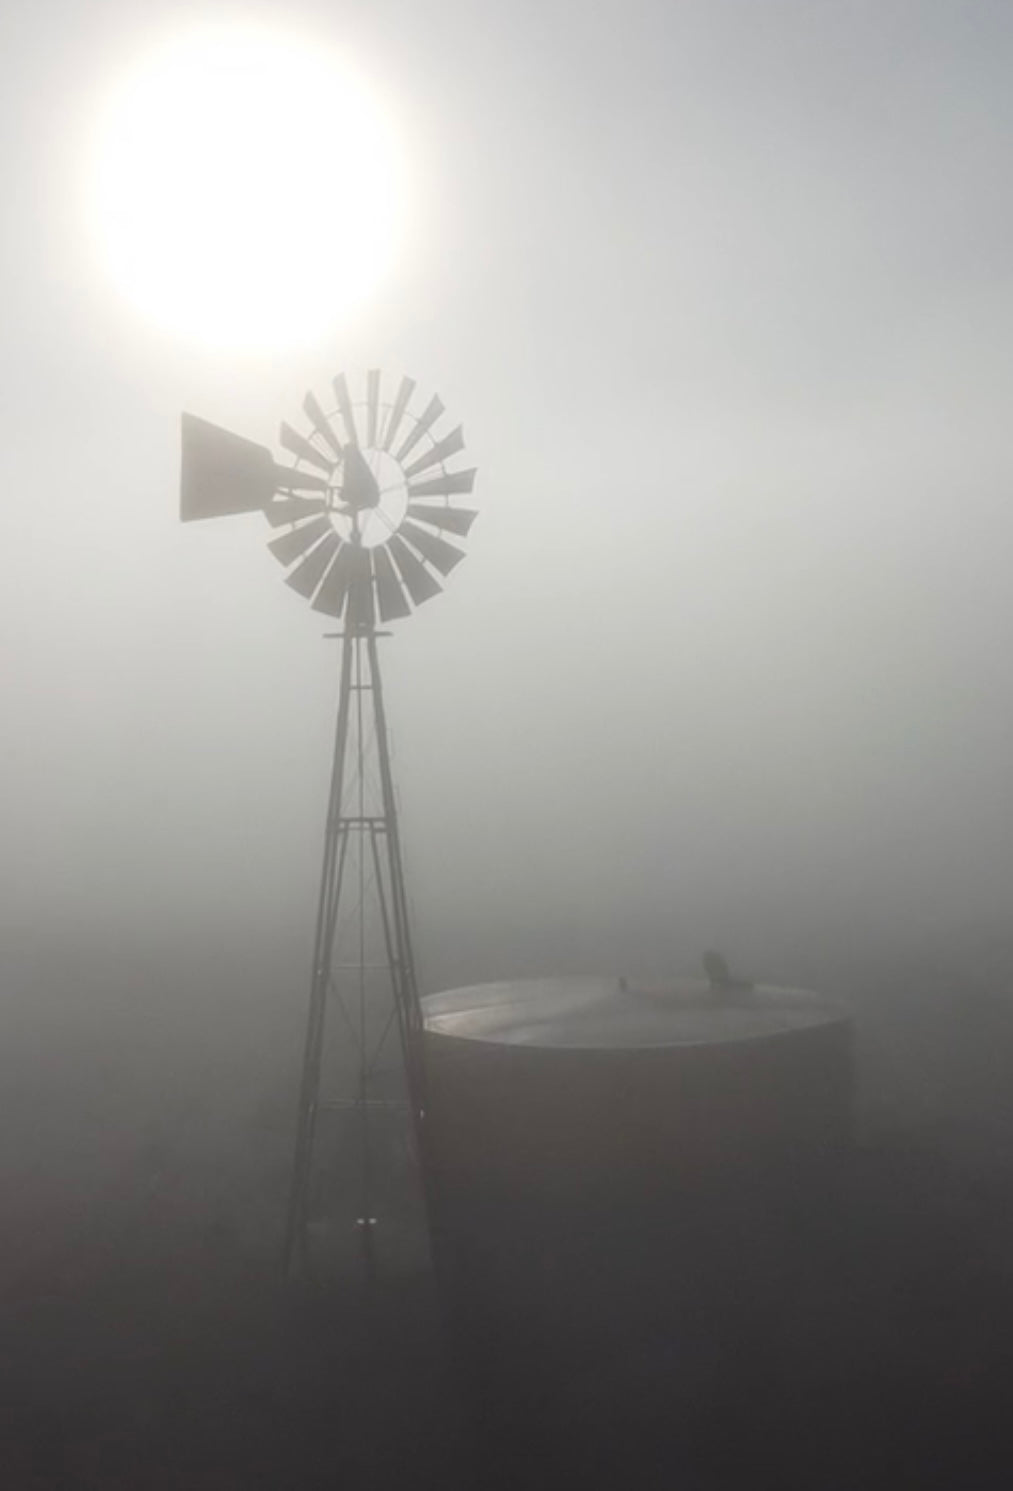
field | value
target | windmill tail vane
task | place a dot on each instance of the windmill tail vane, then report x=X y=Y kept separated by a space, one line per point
x=367 y=525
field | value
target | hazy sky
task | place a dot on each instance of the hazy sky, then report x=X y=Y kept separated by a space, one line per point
x=723 y=293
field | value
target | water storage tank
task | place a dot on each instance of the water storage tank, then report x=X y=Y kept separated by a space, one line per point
x=615 y=1163
x=593 y=1086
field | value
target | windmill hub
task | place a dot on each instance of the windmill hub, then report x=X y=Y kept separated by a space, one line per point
x=368 y=493
x=358 y=486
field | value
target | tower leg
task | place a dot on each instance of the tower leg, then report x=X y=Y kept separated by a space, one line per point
x=402 y=960
x=335 y=844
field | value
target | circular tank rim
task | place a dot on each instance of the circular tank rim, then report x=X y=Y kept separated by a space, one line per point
x=615 y=1016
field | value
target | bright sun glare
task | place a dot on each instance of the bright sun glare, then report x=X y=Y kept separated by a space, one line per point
x=246 y=188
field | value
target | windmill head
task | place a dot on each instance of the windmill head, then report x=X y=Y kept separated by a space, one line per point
x=365 y=509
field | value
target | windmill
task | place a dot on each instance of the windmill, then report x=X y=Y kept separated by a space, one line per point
x=362 y=518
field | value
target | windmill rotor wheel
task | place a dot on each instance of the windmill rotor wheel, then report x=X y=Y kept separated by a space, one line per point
x=367 y=507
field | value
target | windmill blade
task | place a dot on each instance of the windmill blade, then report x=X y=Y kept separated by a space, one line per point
x=286 y=480
x=345 y=406
x=330 y=598
x=418 y=582
x=372 y=404
x=349 y=582
x=291 y=545
x=307 y=576
x=291 y=509
x=441 y=555
x=318 y=419
x=450 y=484
x=448 y=446
x=404 y=393
x=221 y=473
x=453 y=519
x=301 y=447
x=390 y=597
x=430 y=415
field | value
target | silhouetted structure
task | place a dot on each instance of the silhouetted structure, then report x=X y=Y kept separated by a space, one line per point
x=363 y=515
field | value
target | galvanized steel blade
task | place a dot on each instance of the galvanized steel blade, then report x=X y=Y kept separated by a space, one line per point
x=307 y=576
x=291 y=545
x=453 y=519
x=304 y=449
x=419 y=583
x=398 y=408
x=318 y=419
x=298 y=481
x=439 y=553
x=450 y=484
x=441 y=451
x=372 y=404
x=345 y=407
x=291 y=509
x=390 y=597
x=430 y=415
x=330 y=598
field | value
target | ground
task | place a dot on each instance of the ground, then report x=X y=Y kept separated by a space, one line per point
x=150 y=1344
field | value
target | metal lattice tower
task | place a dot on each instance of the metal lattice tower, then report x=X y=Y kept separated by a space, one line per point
x=364 y=512
x=363 y=989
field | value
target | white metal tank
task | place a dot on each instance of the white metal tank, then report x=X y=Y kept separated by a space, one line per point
x=597 y=1085
x=615 y=1163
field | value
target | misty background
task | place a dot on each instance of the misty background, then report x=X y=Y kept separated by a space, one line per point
x=722 y=294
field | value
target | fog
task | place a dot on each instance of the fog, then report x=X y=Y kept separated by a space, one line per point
x=726 y=320
x=722 y=295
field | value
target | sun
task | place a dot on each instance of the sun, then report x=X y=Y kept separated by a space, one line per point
x=246 y=188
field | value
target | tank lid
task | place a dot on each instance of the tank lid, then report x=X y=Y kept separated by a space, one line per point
x=620 y=1014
